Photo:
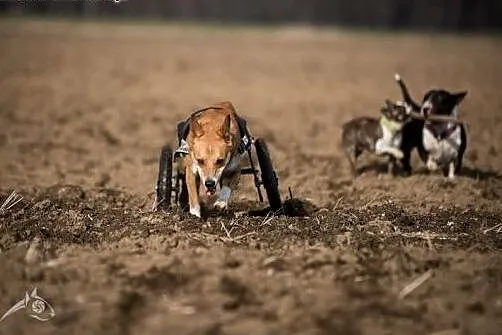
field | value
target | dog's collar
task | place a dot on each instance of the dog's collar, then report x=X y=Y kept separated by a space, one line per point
x=393 y=126
x=443 y=134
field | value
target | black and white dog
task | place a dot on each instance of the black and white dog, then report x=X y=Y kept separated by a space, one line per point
x=440 y=144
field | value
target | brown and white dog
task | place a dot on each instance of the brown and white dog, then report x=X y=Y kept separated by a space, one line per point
x=213 y=158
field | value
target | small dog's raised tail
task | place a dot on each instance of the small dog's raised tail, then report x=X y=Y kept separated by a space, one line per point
x=406 y=94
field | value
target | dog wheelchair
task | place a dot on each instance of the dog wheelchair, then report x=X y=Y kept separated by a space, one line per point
x=171 y=188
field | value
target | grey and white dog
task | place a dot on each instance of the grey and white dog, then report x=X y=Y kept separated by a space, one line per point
x=381 y=136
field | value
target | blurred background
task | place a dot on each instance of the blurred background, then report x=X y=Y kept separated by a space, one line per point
x=452 y=15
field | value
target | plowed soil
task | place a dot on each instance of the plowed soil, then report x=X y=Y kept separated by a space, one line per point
x=86 y=107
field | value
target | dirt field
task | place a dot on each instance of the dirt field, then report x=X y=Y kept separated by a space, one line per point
x=85 y=109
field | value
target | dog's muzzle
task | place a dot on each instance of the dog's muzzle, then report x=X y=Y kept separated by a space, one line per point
x=210 y=185
x=426 y=111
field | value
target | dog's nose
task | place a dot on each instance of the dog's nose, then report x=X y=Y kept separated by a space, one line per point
x=210 y=183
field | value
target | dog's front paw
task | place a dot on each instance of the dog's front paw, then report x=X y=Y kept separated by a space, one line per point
x=220 y=204
x=398 y=154
x=195 y=210
x=431 y=165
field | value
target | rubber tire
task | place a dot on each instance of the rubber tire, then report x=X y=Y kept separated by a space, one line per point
x=268 y=176
x=164 y=181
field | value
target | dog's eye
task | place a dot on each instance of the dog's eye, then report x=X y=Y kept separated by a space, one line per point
x=200 y=161
x=220 y=161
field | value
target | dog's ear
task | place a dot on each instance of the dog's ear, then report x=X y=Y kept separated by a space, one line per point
x=225 y=129
x=387 y=107
x=459 y=96
x=427 y=95
x=195 y=127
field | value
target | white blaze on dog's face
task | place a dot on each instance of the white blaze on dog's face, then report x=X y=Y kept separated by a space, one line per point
x=211 y=151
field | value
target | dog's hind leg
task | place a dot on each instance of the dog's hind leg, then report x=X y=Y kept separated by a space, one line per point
x=454 y=168
x=352 y=155
x=458 y=164
x=391 y=164
x=423 y=154
x=461 y=151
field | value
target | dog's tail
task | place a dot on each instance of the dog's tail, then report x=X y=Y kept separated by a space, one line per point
x=406 y=94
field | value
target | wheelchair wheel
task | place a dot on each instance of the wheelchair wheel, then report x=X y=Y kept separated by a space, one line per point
x=164 y=181
x=268 y=176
